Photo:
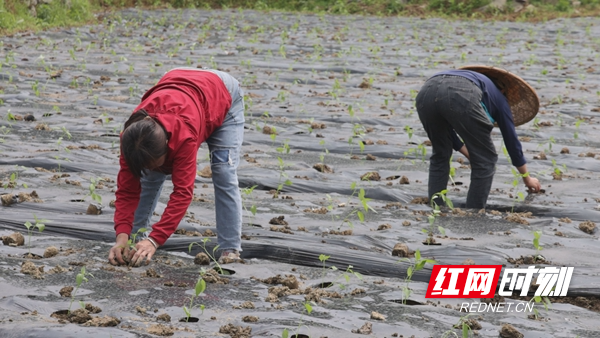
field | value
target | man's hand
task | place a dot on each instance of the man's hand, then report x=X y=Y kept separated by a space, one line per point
x=119 y=250
x=144 y=250
x=533 y=184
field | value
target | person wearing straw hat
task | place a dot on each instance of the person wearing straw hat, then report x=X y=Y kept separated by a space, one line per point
x=469 y=102
x=187 y=107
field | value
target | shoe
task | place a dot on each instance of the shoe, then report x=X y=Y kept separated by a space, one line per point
x=229 y=256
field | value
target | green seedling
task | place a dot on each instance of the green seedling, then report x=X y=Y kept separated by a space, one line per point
x=79 y=279
x=435 y=213
x=92 y=189
x=323 y=258
x=211 y=255
x=577 y=124
x=282 y=175
x=198 y=290
x=132 y=238
x=520 y=195
x=540 y=300
x=13 y=182
x=247 y=193
x=463 y=325
x=418 y=264
x=349 y=272
x=536 y=244
x=308 y=308
x=39 y=224
x=364 y=201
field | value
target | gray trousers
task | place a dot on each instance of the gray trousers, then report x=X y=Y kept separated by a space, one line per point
x=446 y=103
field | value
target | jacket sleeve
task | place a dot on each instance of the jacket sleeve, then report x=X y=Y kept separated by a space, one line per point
x=509 y=135
x=127 y=198
x=183 y=178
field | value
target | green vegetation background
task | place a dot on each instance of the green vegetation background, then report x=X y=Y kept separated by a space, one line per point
x=16 y=16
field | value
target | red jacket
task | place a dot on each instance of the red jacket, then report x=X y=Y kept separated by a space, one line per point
x=190 y=104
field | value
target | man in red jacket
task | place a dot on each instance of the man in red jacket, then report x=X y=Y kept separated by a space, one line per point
x=185 y=108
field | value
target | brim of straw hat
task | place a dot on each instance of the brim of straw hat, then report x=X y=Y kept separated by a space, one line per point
x=522 y=99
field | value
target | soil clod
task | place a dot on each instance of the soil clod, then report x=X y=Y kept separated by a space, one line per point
x=367 y=328
x=588 y=227
x=50 y=251
x=14 y=239
x=236 y=331
x=202 y=259
x=509 y=331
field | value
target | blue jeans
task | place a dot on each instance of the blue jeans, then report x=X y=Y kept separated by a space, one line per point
x=447 y=103
x=224 y=145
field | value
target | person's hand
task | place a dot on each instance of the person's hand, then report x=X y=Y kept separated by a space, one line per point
x=119 y=250
x=533 y=184
x=144 y=250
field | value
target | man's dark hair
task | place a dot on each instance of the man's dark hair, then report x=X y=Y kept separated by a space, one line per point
x=143 y=142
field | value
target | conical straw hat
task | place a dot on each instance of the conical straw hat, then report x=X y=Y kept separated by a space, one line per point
x=522 y=99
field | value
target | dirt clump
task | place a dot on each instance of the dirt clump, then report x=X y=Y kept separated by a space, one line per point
x=280 y=220
x=50 y=251
x=341 y=232
x=245 y=305
x=420 y=200
x=358 y=291
x=509 y=331
x=588 y=227
x=29 y=268
x=377 y=316
x=269 y=131
x=320 y=211
x=323 y=168
x=31 y=197
x=140 y=310
x=209 y=233
x=367 y=328
x=8 y=199
x=164 y=317
x=384 y=226
x=528 y=260
x=57 y=269
x=211 y=276
x=284 y=229
x=152 y=273
x=14 y=239
x=201 y=259
x=370 y=157
x=79 y=316
x=289 y=280
x=518 y=217
x=404 y=180
x=250 y=319
x=400 y=250
x=161 y=330
x=365 y=84
x=236 y=331
x=106 y=321
x=94 y=209
x=92 y=309
x=66 y=291
x=370 y=176
x=206 y=172
x=565 y=150
x=471 y=322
